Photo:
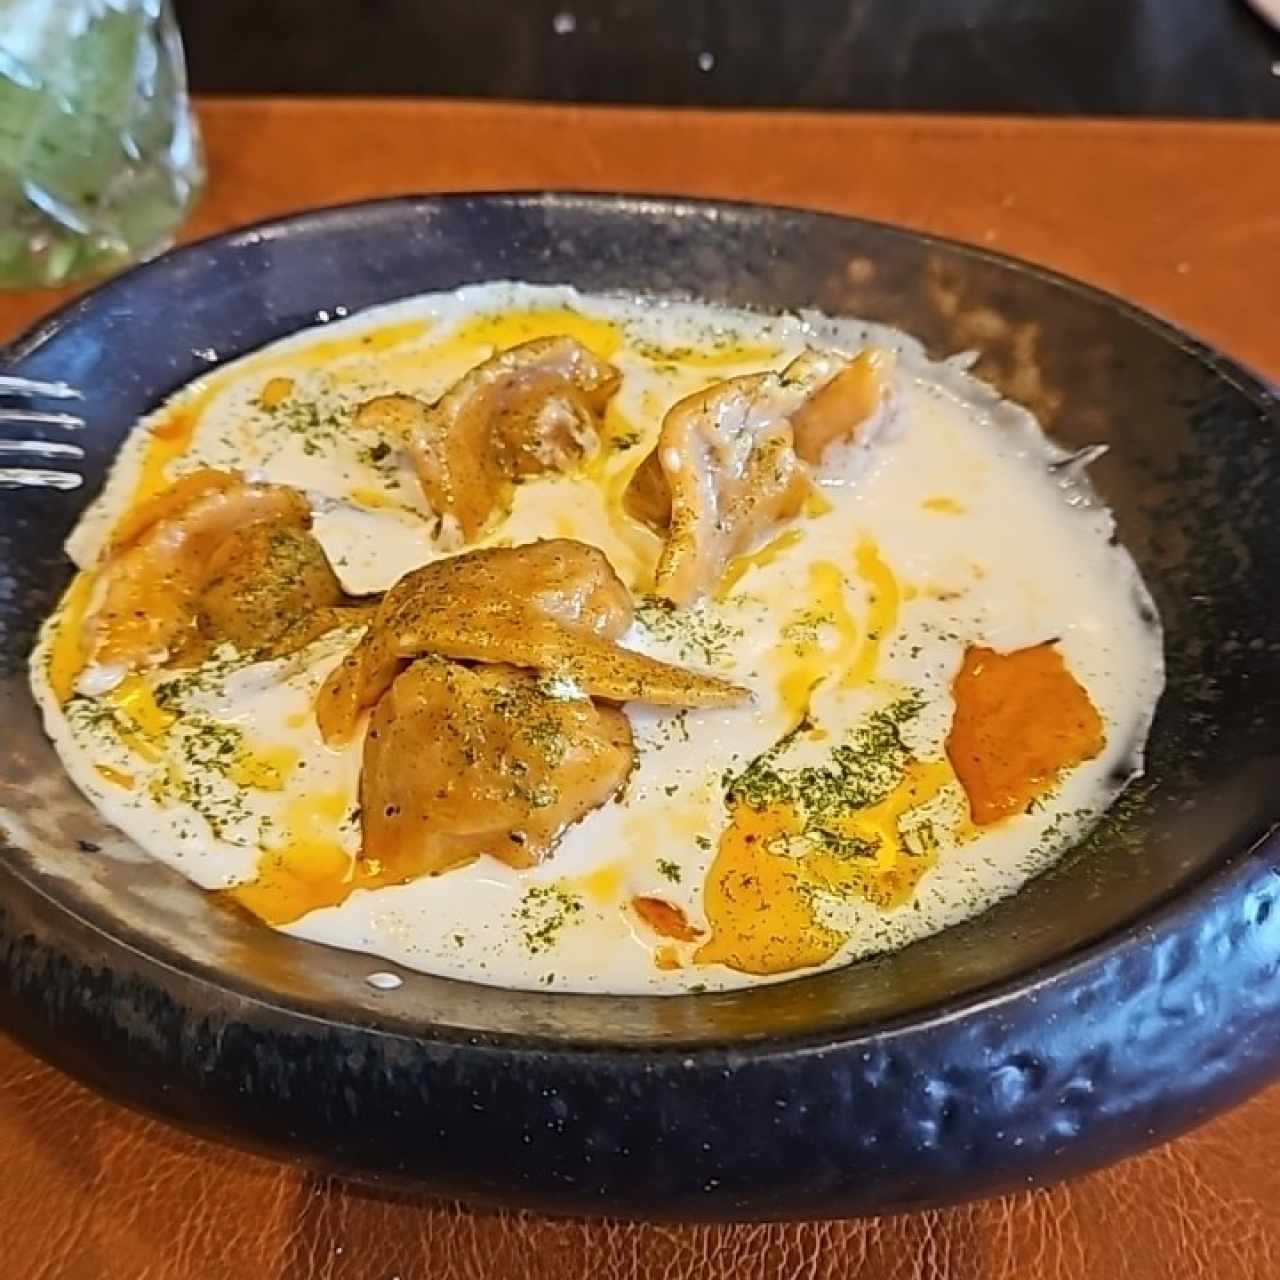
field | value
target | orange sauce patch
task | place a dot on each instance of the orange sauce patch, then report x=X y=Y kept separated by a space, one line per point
x=882 y=611
x=171 y=436
x=170 y=439
x=327 y=351
x=117 y=777
x=373 y=500
x=758 y=903
x=760 y=898
x=816 y=504
x=739 y=566
x=311 y=868
x=603 y=886
x=504 y=329
x=275 y=392
x=665 y=918
x=805 y=664
x=887 y=877
x=1021 y=719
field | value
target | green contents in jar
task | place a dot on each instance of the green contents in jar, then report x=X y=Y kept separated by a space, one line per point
x=99 y=157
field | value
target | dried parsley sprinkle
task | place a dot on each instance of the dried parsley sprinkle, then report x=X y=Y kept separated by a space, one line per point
x=318 y=421
x=543 y=913
x=697 y=634
x=175 y=695
x=861 y=772
x=210 y=744
x=669 y=729
x=539 y=797
x=209 y=749
x=383 y=459
x=669 y=869
x=709 y=339
x=920 y=839
x=524 y=707
x=91 y=716
x=1053 y=837
x=307 y=420
x=802 y=632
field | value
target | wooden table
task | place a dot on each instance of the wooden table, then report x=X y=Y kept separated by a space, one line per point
x=1182 y=218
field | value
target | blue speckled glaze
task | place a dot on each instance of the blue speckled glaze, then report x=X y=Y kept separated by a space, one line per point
x=1118 y=999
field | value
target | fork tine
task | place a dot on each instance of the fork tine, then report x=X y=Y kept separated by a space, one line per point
x=41 y=448
x=39 y=417
x=14 y=386
x=35 y=478
x=39 y=477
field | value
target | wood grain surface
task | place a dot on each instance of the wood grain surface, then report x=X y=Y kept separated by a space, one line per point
x=1184 y=219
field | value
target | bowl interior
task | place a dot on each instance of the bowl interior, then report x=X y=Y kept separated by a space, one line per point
x=1192 y=472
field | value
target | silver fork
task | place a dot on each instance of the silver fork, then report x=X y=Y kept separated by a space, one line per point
x=37 y=451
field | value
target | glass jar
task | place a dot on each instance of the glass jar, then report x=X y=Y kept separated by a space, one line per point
x=100 y=157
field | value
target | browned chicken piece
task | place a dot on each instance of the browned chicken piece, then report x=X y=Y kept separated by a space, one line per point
x=535 y=407
x=461 y=761
x=210 y=558
x=729 y=462
x=555 y=607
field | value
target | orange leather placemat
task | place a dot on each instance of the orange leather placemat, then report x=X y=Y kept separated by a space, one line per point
x=1182 y=218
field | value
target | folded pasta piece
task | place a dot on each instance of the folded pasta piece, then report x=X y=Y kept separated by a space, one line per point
x=269 y=589
x=533 y=408
x=461 y=761
x=211 y=558
x=732 y=460
x=555 y=607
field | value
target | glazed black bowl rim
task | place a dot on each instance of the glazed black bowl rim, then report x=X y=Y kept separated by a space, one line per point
x=1177 y=906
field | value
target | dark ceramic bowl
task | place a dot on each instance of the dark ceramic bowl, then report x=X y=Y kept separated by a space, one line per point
x=1120 y=998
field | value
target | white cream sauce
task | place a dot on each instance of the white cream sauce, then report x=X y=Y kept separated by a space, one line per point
x=955 y=497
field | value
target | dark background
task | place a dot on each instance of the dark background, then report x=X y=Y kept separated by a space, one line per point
x=1112 y=57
